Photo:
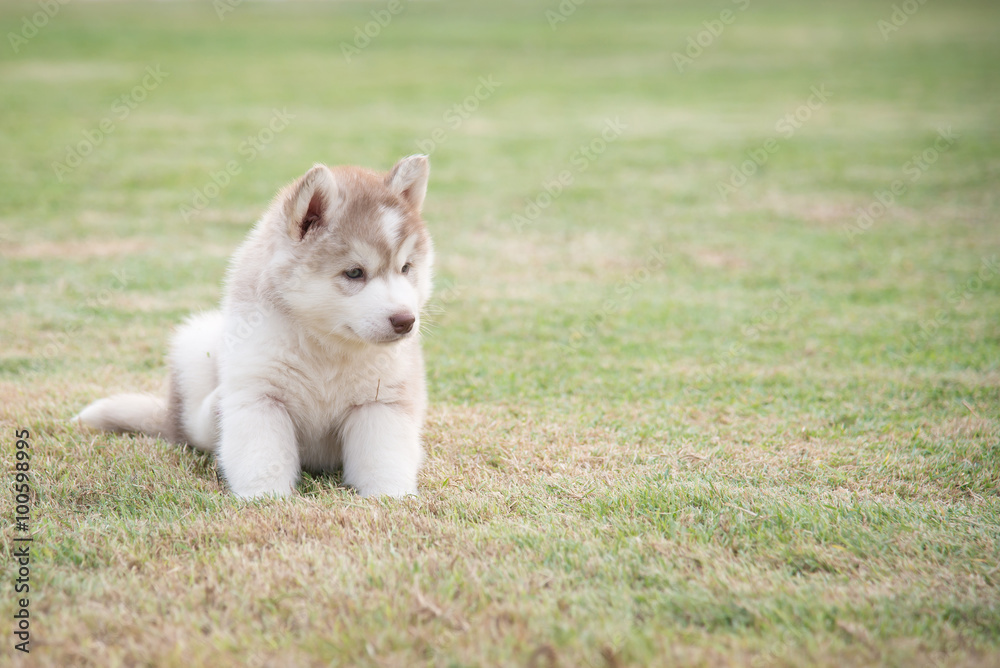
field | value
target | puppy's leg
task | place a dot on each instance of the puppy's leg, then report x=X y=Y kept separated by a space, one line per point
x=382 y=452
x=203 y=426
x=257 y=450
x=194 y=380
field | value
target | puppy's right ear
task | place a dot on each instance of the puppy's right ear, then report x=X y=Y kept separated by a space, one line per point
x=310 y=202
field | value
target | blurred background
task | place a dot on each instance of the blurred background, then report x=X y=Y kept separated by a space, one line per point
x=713 y=358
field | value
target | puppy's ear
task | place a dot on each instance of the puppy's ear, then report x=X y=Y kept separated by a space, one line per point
x=408 y=179
x=310 y=202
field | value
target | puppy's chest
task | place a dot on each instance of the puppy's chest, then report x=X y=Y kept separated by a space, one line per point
x=320 y=392
x=325 y=390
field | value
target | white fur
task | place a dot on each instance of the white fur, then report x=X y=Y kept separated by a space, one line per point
x=126 y=412
x=391 y=220
x=302 y=368
x=194 y=354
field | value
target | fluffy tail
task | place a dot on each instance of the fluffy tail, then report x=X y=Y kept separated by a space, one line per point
x=143 y=413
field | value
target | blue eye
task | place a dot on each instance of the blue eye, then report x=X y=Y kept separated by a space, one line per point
x=355 y=274
x=406 y=267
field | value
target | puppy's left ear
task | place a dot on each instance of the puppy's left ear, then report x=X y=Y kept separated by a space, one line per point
x=310 y=201
x=408 y=179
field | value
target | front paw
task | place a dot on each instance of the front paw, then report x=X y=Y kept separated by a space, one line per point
x=275 y=481
x=385 y=488
x=251 y=494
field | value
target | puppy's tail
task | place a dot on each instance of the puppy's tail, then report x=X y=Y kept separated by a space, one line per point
x=142 y=413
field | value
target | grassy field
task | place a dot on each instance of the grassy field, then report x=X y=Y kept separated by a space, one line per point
x=714 y=357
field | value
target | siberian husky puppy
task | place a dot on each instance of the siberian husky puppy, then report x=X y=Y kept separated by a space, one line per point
x=313 y=360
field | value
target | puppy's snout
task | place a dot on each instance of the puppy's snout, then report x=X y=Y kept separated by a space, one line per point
x=402 y=322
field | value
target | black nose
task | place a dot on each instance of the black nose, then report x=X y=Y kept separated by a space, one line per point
x=402 y=322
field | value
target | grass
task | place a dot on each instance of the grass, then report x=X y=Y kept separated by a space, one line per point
x=668 y=427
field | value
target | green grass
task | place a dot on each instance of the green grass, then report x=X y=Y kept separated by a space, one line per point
x=667 y=428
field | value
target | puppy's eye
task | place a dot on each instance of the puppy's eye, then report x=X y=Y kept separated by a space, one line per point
x=406 y=268
x=355 y=274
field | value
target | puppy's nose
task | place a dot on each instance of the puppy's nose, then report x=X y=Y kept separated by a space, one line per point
x=402 y=322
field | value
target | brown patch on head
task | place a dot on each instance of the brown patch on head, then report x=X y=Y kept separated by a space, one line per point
x=413 y=225
x=367 y=200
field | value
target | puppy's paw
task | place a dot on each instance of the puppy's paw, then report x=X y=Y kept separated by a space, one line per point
x=253 y=494
x=271 y=483
x=384 y=488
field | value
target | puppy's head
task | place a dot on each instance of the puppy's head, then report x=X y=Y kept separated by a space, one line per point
x=359 y=255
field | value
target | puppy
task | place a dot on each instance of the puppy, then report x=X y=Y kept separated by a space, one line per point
x=313 y=360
